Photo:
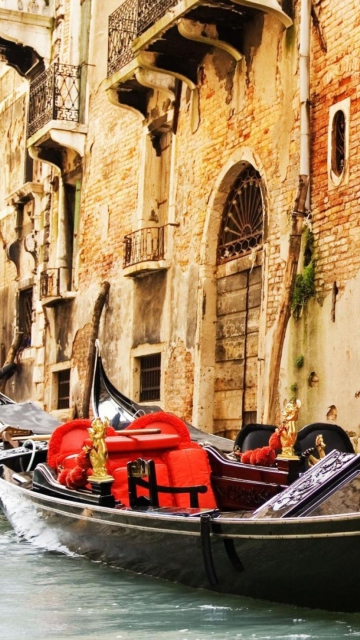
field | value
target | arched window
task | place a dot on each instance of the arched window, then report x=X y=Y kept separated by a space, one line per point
x=243 y=217
x=338 y=143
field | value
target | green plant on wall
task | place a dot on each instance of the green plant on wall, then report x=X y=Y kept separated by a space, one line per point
x=299 y=361
x=294 y=389
x=305 y=282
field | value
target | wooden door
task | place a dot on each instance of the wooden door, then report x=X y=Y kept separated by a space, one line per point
x=236 y=357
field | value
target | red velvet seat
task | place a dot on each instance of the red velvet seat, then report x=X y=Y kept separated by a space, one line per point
x=120 y=487
x=190 y=467
x=178 y=461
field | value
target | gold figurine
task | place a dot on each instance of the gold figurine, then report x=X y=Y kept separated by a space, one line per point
x=319 y=449
x=98 y=452
x=288 y=432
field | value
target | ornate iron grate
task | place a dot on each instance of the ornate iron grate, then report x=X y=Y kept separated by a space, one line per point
x=243 y=217
x=54 y=95
x=122 y=31
x=144 y=244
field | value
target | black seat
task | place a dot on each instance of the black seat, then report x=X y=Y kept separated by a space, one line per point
x=334 y=437
x=252 y=436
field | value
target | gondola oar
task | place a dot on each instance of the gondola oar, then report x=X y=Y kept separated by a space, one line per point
x=127 y=433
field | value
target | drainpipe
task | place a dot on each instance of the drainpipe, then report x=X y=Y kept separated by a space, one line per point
x=304 y=63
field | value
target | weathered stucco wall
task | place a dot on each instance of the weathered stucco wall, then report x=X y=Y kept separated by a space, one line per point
x=248 y=112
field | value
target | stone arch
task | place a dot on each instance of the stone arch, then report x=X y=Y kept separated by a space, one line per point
x=205 y=366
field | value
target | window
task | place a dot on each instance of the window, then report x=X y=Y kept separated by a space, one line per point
x=338 y=143
x=243 y=217
x=150 y=377
x=63 y=386
x=25 y=315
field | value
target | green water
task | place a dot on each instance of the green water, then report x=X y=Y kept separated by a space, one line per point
x=47 y=595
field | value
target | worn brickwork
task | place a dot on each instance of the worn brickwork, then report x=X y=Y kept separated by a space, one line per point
x=335 y=211
x=179 y=376
x=110 y=187
x=241 y=112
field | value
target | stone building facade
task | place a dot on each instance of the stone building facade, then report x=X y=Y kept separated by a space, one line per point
x=157 y=147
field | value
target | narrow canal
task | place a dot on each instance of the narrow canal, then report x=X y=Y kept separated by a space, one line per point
x=48 y=595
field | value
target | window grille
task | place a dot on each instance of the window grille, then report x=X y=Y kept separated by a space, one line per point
x=150 y=375
x=243 y=217
x=25 y=315
x=338 y=143
x=63 y=380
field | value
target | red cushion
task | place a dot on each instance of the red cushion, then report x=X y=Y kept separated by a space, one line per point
x=142 y=443
x=120 y=488
x=189 y=467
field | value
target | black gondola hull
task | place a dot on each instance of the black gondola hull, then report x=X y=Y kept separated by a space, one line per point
x=311 y=562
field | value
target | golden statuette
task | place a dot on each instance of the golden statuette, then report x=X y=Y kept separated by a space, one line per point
x=288 y=432
x=319 y=449
x=98 y=452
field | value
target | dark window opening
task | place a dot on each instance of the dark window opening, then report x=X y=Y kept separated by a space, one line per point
x=25 y=315
x=338 y=143
x=29 y=168
x=63 y=379
x=150 y=375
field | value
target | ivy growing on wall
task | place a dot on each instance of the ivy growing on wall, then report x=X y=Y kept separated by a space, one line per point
x=305 y=282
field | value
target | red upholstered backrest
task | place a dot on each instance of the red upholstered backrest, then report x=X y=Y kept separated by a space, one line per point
x=120 y=488
x=166 y=422
x=67 y=438
x=189 y=467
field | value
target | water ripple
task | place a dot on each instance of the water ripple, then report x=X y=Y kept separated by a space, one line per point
x=50 y=596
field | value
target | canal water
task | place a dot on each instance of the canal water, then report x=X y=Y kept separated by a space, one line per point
x=50 y=596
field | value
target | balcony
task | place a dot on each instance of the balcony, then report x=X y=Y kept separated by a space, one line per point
x=146 y=250
x=25 y=32
x=55 y=286
x=54 y=109
x=172 y=37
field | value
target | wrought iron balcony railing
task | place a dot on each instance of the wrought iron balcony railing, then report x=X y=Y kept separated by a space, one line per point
x=144 y=245
x=54 y=95
x=128 y=22
x=53 y=282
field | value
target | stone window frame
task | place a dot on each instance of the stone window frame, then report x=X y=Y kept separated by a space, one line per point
x=25 y=314
x=54 y=391
x=335 y=180
x=136 y=354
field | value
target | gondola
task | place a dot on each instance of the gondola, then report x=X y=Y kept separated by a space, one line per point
x=158 y=503
x=22 y=426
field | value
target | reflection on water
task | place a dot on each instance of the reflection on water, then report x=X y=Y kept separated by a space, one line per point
x=46 y=595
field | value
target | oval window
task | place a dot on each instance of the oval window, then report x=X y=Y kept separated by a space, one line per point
x=338 y=143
